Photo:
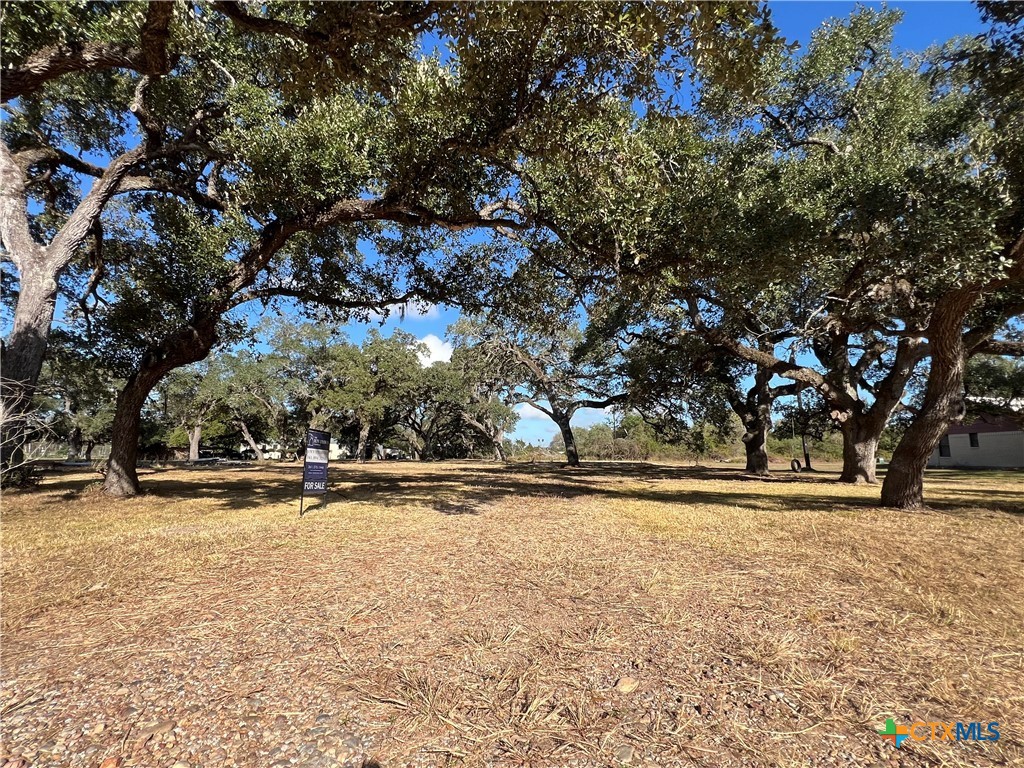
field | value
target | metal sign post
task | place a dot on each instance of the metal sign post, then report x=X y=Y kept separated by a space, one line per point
x=314 y=465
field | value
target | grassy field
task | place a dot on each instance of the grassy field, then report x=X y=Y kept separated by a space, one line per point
x=472 y=614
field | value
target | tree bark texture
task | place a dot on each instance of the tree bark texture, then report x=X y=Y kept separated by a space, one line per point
x=572 y=455
x=184 y=346
x=194 y=438
x=860 y=449
x=755 y=440
x=39 y=267
x=364 y=436
x=23 y=353
x=247 y=436
x=755 y=412
x=903 y=487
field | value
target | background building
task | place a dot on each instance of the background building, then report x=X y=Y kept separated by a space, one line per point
x=991 y=440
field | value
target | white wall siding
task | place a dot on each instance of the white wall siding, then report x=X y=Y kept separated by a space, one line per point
x=995 y=449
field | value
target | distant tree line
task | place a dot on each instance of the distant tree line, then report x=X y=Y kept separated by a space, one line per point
x=260 y=398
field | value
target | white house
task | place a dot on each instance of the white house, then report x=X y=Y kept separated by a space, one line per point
x=992 y=440
x=278 y=451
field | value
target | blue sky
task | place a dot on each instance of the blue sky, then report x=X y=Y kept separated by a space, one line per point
x=924 y=24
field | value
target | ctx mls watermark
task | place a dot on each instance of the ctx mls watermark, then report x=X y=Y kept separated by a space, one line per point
x=936 y=731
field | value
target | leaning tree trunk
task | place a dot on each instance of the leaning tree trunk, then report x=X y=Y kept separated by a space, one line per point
x=194 y=437
x=860 y=449
x=903 y=487
x=247 y=436
x=486 y=428
x=572 y=455
x=122 y=478
x=39 y=268
x=364 y=436
x=185 y=345
x=418 y=445
x=23 y=353
x=89 y=445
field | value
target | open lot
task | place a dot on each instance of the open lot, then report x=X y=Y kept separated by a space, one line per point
x=473 y=614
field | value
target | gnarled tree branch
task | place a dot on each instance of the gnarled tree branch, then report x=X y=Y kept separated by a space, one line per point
x=151 y=57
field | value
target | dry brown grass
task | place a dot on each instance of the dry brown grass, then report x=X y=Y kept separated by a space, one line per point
x=473 y=614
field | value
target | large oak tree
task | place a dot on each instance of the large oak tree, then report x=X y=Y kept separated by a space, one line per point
x=214 y=126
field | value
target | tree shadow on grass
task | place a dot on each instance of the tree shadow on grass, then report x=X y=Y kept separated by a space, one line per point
x=470 y=489
x=972 y=500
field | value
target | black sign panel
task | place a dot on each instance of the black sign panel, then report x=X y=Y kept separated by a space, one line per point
x=314 y=469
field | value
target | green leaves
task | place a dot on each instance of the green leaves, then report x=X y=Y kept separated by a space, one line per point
x=286 y=167
x=31 y=26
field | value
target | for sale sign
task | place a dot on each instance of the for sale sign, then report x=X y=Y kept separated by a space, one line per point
x=314 y=469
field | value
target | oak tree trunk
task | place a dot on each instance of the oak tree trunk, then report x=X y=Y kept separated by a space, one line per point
x=862 y=424
x=364 y=435
x=193 y=443
x=496 y=435
x=22 y=358
x=422 y=445
x=418 y=444
x=183 y=346
x=122 y=478
x=39 y=268
x=247 y=436
x=903 y=487
x=572 y=455
x=860 y=449
x=499 y=451
x=89 y=445
x=755 y=441
x=75 y=444
x=755 y=411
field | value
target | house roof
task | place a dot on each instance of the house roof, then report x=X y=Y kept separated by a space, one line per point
x=986 y=422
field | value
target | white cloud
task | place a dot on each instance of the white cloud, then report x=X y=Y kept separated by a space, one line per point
x=588 y=417
x=437 y=350
x=424 y=312
x=527 y=413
